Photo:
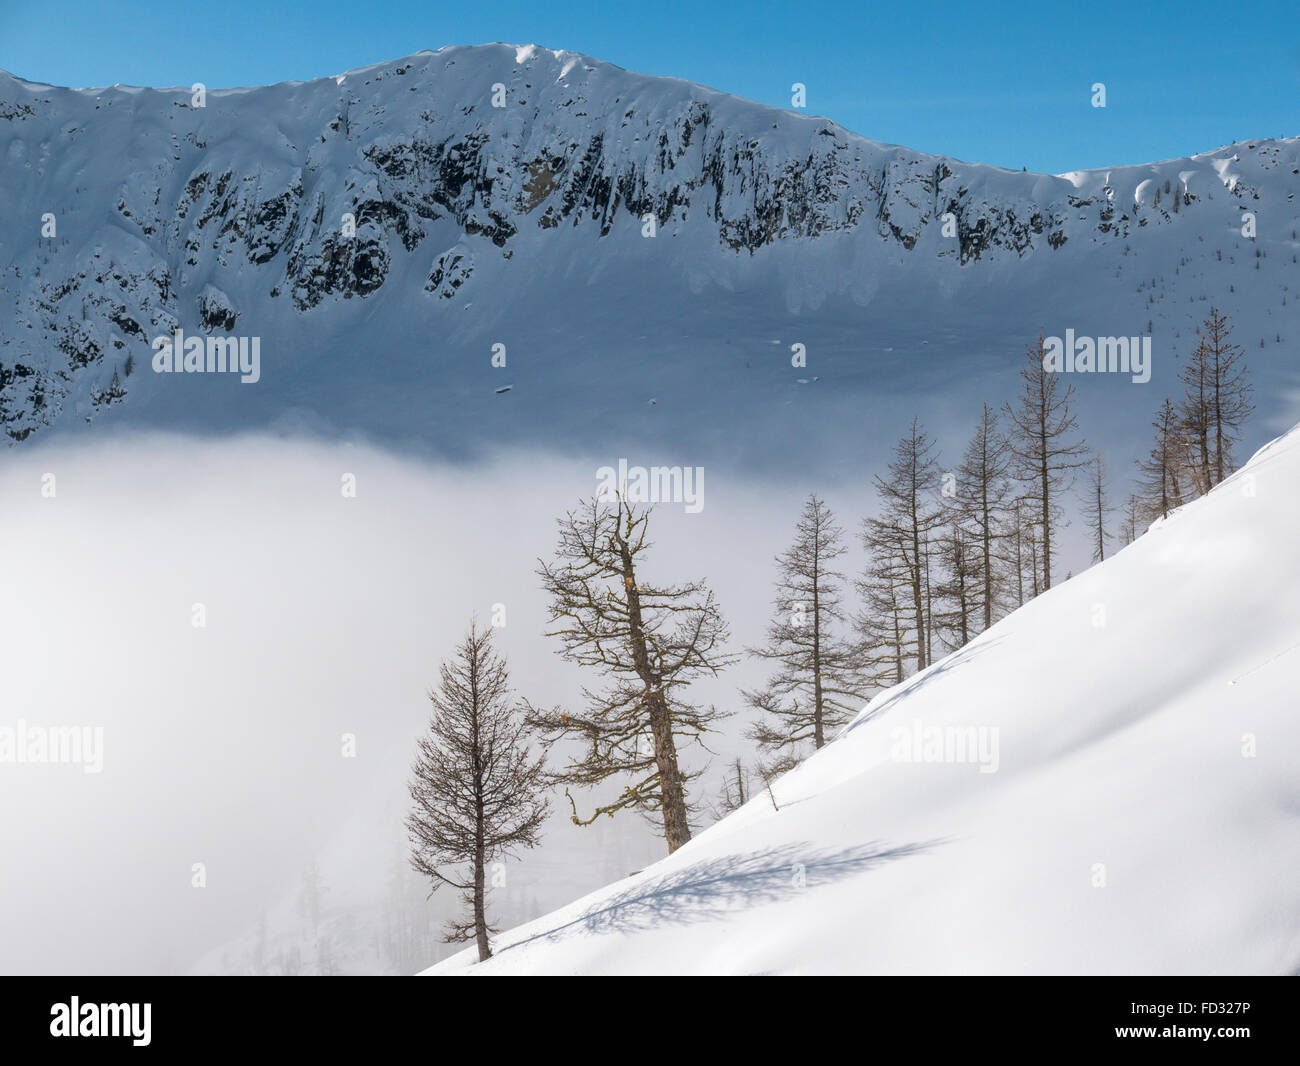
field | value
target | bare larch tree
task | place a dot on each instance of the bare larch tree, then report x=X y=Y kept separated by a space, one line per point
x=1097 y=508
x=1194 y=418
x=960 y=591
x=1015 y=547
x=1042 y=449
x=649 y=641
x=815 y=687
x=881 y=629
x=1216 y=401
x=735 y=791
x=983 y=488
x=476 y=789
x=1161 y=485
x=1131 y=528
x=899 y=538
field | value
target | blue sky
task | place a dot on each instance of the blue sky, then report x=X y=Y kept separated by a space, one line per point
x=997 y=83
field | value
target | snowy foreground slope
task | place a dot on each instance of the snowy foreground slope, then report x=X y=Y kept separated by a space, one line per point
x=1143 y=816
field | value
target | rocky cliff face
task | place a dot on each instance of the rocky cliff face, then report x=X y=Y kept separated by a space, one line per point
x=458 y=175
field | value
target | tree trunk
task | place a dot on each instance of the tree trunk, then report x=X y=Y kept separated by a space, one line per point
x=898 y=648
x=1204 y=434
x=818 y=736
x=1046 y=489
x=480 y=905
x=1218 y=428
x=929 y=607
x=1020 y=562
x=677 y=830
x=918 y=595
x=480 y=821
x=987 y=547
x=1101 y=518
x=962 y=599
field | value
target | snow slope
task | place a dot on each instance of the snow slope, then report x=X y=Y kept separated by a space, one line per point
x=1143 y=816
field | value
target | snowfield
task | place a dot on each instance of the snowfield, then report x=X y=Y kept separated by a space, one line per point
x=1127 y=801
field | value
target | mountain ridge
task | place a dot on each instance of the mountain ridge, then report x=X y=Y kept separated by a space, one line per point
x=560 y=53
x=235 y=216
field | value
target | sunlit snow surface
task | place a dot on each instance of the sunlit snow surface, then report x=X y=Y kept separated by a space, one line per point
x=1144 y=816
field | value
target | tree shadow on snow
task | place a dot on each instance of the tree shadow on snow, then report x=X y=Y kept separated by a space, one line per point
x=713 y=888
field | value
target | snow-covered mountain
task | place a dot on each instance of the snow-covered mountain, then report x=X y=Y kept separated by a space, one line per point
x=1104 y=782
x=528 y=225
x=605 y=266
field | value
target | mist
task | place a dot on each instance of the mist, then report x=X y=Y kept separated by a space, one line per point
x=228 y=618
